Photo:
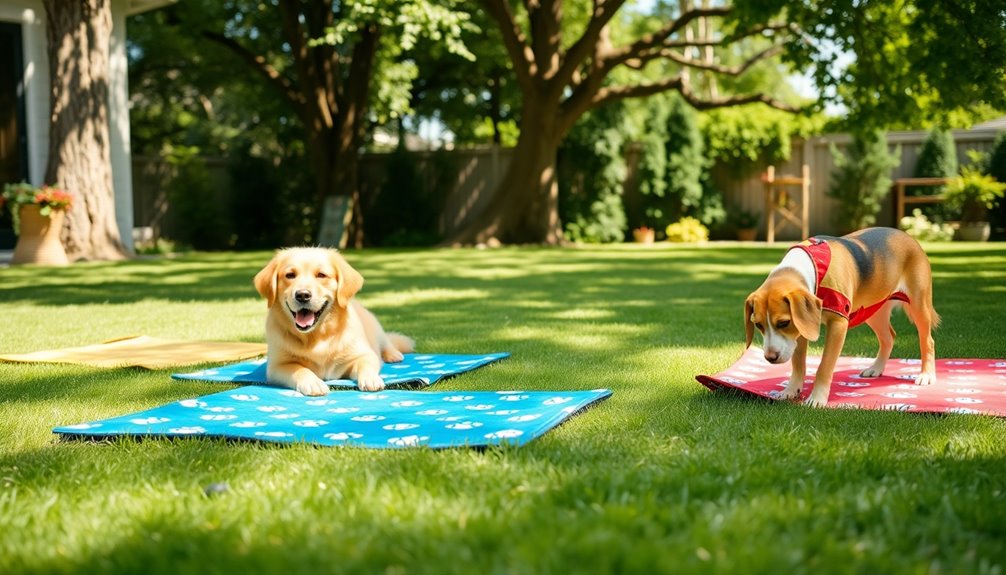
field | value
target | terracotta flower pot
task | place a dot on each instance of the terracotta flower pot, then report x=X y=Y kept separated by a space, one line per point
x=38 y=241
x=643 y=235
x=747 y=234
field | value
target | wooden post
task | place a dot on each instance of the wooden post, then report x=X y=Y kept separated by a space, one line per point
x=805 y=189
x=769 y=205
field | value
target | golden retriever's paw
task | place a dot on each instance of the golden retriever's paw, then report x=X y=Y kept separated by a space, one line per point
x=925 y=379
x=392 y=355
x=315 y=387
x=370 y=382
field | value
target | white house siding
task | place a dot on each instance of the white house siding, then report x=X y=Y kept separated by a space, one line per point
x=31 y=15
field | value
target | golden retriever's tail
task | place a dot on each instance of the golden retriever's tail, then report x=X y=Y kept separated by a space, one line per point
x=402 y=343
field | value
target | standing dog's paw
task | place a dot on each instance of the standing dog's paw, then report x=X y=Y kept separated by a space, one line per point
x=871 y=372
x=790 y=393
x=814 y=401
x=314 y=387
x=925 y=379
x=370 y=382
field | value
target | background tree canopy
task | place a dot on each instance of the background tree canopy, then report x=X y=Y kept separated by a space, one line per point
x=281 y=80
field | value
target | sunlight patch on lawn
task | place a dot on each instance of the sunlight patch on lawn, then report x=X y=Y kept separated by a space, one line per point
x=392 y=298
x=584 y=313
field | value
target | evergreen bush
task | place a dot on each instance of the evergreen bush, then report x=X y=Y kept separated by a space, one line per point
x=996 y=167
x=937 y=159
x=592 y=173
x=861 y=180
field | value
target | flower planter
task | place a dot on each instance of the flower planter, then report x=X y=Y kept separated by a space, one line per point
x=38 y=242
x=643 y=236
x=747 y=234
x=974 y=231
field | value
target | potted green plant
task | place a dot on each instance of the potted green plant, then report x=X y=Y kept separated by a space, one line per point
x=746 y=224
x=38 y=215
x=973 y=193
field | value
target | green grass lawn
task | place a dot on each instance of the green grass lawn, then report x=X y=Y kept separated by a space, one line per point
x=663 y=477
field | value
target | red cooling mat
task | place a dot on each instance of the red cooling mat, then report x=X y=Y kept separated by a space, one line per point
x=962 y=385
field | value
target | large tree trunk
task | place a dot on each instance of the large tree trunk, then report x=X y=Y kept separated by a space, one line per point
x=79 y=161
x=524 y=208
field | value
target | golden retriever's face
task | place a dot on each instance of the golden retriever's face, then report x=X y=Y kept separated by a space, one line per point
x=304 y=284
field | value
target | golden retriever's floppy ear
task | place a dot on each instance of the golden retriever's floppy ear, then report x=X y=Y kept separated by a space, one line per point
x=748 y=324
x=350 y=280
x=265 y=281
x=806 y=309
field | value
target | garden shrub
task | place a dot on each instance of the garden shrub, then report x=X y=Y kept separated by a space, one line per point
x=996 y=167
x=592 y=173
x=197 y=203
x=919 y=227
x=687 y=229
x=673 y=168
x=937 y=159
x=861 y=180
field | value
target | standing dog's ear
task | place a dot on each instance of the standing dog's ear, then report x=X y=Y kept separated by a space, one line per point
x=350 y=280
x=748 y=324
x=806 y=309
x=265 y=281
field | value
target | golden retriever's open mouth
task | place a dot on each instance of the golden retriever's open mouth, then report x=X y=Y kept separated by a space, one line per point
x=306 y=319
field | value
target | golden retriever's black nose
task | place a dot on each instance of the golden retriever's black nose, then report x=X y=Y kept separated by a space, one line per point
x=302 y=295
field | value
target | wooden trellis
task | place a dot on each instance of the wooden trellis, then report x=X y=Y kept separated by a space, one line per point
x=781 y=200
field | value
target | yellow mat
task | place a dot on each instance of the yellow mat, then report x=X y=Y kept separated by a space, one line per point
x=144 y=351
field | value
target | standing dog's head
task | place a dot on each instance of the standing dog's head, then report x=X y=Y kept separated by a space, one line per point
x=305 y=284
x=783 y=311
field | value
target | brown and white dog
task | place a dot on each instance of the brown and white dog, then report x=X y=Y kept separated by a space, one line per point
x=316 y=330
x=841 y=282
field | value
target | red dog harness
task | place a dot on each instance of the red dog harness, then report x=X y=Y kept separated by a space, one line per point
x=834 y=296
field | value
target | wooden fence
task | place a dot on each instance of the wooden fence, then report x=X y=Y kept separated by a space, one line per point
x=749 y=193
x=479 y=171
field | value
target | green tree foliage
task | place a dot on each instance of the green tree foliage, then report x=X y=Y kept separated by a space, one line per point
x=861 y=179
x=592 y=175
x=686 y=160
x=320 y=73
x=909 y=57
x=745 y=139
x=476 y=99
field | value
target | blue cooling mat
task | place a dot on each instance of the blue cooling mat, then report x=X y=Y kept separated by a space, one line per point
x=416 y=368
x=385 y=419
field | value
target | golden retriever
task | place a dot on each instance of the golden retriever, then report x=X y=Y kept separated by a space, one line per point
x=315 y=330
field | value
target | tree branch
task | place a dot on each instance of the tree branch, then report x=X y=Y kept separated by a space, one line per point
x=724 y=70
x=316 y=103
x=656 y=52
x=513 y=39
x=658 y=38
x=604 y=11
x=615 y=93
x=259 y=64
